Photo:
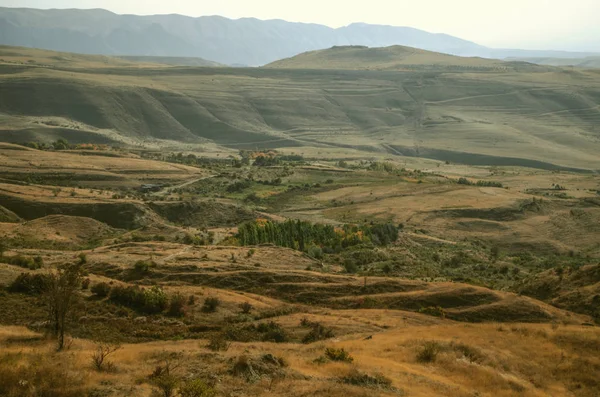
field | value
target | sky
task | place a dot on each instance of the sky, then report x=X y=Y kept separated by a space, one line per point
x=528 y=24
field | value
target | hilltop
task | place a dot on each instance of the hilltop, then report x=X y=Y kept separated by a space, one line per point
x=386 y=58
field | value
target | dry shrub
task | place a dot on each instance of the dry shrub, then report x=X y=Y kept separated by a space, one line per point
x=218 y=342
x=359 y=378
x=333 y=354
x=103 y=350
x=254 y=368
x=196 y=388
x=429 y=352
x=318 y=332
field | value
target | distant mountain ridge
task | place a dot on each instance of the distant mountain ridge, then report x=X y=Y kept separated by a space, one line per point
x=245 y=41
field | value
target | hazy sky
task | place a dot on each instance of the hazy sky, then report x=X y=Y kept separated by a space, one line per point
x=529 y=24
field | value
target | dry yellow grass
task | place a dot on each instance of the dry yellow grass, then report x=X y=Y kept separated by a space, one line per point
x=485 y=360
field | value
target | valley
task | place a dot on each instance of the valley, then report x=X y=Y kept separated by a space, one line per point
x=339 y=223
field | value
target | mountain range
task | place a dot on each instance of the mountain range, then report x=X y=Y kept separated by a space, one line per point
x=241 y=42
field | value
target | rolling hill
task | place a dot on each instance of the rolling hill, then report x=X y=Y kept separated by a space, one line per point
x=516 y=114
x=173 y=61
x=587 y=62
x=245 y=41
x=386 y=58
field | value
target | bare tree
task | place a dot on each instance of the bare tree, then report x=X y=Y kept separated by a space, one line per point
x=103 y=350
x=64 y=283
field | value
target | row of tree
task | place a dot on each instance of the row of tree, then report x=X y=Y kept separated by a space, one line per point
x=301 y=235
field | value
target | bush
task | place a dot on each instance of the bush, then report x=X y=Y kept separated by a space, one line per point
x=333 y=354
x=25 y=262
x=350 y=267
x=101 y=289
x=177 y=305
x=358 y=378
x=317 y=333
x=218 y=342
x=428 y=352
x=143 y=267
x=32 y=284
x=272 y=332
x=246 y=307
x=315 y=252
x=85 y=283
x=166 y=383
x=196 y=388
x=211 y=304
x=103 y=350
x=151 y=301
x=436 y=311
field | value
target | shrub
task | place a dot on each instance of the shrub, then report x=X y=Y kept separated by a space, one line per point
x=82 y=258
x=166 y=384
x=429 y=352
x=218 y=342
x=103 y=350
x=177 y=305
x=334 y=354
x=38 y=262
x=101 y=289
x=143 y=267
x=196 y=388
x=436 y=311
x=153 y=300
x=317 y=333
x=85 y=283
x=246 y=307
x=350 y=267
x=358 y=378
x=315 y=252
x=211 y=304
x=32 y=284
x=272 y=332
x=23 y=261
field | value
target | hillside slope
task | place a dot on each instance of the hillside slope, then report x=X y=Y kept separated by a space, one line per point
x=516 y=115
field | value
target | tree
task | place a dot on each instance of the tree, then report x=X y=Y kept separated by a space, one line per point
x=60 y=296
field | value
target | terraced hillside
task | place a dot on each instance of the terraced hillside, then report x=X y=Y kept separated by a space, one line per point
x=528 y=116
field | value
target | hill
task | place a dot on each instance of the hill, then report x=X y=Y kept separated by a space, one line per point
x=386 y=58
x=245 y=41
x=513 y=114
x=173 y=61
x=587 y=62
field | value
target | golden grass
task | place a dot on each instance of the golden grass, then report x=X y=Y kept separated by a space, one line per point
x=489 y=359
